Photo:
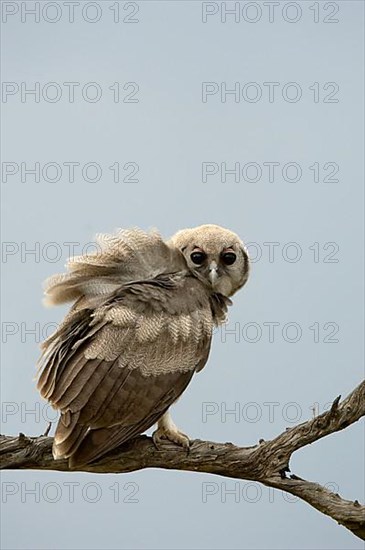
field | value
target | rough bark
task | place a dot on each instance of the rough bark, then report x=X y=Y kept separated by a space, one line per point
x=267 y=462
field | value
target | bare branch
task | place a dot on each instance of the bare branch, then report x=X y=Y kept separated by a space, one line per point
x=266 y=462
x=350 y=514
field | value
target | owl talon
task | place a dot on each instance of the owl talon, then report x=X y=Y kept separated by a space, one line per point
x=156 y=438
x=177 y=437
x=167 y=430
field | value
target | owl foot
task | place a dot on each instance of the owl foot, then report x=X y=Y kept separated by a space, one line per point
x=167 y=430
x=160 y=435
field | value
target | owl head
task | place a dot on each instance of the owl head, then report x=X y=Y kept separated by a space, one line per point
x=215 y=255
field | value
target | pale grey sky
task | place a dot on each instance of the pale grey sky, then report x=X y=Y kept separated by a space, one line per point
x=150 y=99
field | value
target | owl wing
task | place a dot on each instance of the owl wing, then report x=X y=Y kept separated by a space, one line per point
x=128 y=255
x=115 y=370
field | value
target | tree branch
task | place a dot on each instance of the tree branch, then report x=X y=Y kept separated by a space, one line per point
x=267 y=462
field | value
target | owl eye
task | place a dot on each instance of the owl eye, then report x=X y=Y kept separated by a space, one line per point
x=198 y=257
x=229 y=258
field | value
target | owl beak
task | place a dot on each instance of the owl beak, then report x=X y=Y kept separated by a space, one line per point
x=213 y=272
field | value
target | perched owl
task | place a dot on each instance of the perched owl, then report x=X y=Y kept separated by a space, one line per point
x=140 y=326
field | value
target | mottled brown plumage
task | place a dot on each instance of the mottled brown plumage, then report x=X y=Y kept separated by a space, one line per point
x=139 y=328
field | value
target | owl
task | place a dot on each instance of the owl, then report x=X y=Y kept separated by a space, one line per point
x=140 y=326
